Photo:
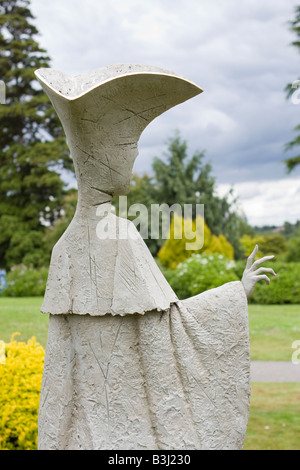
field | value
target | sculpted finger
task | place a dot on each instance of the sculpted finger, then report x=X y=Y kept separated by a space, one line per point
x=261 y=260
x=265 y=270
x=263 y=277
x=252 y=256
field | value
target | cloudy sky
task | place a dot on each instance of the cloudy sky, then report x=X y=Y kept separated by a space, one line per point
x=238 y=51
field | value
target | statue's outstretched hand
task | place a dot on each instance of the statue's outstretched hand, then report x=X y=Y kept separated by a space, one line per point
x=252 y=273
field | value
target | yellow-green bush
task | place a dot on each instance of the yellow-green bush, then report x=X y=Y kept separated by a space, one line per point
x=248 y=243
x=274 y=244
x=197 y=235
x=2 y=352
x=20 y=384
x=220 y=245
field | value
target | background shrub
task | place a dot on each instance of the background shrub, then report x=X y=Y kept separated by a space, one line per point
x=21 y=377
x=283 y=289
x=273 y=244
x=25 y=282
x=202 y=271
x=199 y=237
x=199 y=273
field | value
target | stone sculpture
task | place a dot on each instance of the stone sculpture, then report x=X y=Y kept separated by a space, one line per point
x=128 y=365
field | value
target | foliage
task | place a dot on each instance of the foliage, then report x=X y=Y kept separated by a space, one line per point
x=293 y=247
x=290 y=230
x=21 y=377
x=32 y=148
x=284 y=287
x=25 y=246
x=292 y=162
x=2 y=352
x=183 y=233
x=274 y=244
x=56 y=230
x=187 y=236
x=199 y=273
x=182 y=179
x=220 y=245
x=25 y=282
x=187 y=180
x=202 y=271
x=248 y=243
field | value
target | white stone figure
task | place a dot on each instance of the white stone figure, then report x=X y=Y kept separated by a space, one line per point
x=128 y=366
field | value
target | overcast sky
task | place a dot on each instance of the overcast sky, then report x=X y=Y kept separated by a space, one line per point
x=238 y=51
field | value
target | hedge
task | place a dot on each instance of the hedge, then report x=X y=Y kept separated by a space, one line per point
x=21 y=369
x=25 y=282
x=201 y=272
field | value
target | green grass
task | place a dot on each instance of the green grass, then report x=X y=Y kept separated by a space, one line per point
x=22 y=314
x=274 y=418
x=273 y=328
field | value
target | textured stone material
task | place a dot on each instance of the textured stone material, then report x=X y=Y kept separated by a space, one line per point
x=128 y=365
x=103 y=114
x=178 y=379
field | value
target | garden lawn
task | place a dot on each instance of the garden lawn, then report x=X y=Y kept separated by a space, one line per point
x=274 y=418
x=273 y=329
x=22 y=314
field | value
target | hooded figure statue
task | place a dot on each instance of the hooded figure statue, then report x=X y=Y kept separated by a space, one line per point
x=127 y=364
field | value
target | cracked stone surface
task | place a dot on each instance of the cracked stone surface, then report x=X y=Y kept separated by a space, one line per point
x=178 y=379
x=128 y=365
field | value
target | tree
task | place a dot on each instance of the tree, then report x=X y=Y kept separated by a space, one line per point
x=293 y=250
x=291 y=88
x=56 y=230
x=185 y=180
x=289 y=230
x=33 y=150
x=274 y=244
x=180 y=179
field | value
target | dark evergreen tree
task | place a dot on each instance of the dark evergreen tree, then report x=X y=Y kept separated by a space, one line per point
x=184 y=180
x=188 y=180
x=32 y=146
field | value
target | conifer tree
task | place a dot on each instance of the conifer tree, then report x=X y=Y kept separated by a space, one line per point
x=182 y=179
x=32 y=146
x=188 y=180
